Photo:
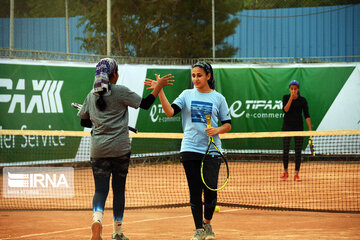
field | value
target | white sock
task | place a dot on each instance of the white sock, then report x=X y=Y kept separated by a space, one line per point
x=97 y=216
x=117 y=227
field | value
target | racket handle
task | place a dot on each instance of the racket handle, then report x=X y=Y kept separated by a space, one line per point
x=76 y=105
x=208 y=120
x=133 y=129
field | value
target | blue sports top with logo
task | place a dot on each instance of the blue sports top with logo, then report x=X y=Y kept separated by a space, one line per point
x=194 y=107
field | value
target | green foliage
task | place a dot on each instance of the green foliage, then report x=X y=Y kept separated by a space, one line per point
x=161 y=28
x=172 y=28
x=156 y=28
x=56 y=8
x=41 y=8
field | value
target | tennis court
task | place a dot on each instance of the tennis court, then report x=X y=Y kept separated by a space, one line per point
x=177 y=224
x=325 y=187
x=255 y=204
x=50 y=50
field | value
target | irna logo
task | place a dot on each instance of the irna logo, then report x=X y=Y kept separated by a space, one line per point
x=46 y=96
x=35 y=180
x=38 y=182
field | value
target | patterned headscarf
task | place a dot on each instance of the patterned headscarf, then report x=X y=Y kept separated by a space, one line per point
x=104 y=69
x=208 y=69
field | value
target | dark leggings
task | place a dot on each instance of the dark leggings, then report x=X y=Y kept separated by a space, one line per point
x=102 y=169
x=192 y=163
x=298 y=147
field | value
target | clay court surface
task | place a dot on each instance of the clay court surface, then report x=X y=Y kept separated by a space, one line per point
x=333 y=187
x=177 y=223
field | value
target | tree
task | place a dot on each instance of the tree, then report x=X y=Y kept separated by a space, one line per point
x=56 y=8
x=160 y=28
x=156 y=28
x=41 y=8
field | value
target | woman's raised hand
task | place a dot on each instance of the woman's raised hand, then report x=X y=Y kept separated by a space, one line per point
x=161 y=81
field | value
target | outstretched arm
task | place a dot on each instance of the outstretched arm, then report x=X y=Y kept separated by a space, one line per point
x=157 y=87
x=162 y=82
x=168 y=109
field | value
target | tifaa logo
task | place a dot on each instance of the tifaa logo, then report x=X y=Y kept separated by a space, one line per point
x=35 y=182
x=155 y=111
x=155 y=114
x=46 y=101
x=237 y=109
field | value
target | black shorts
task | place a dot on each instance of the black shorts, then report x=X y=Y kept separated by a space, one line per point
x=104 y=167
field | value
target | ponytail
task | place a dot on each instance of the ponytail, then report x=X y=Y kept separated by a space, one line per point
x=100 y=102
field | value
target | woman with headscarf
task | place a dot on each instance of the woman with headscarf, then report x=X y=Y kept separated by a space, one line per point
x=294 y=106
x=195 y=104
x=105 y=109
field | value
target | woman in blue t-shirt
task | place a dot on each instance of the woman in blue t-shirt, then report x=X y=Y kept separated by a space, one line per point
x=195 y=104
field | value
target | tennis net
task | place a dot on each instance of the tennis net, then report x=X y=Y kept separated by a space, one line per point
x=330 y=178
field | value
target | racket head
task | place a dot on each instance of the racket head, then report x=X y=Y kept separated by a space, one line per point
x=214 y=171
x=76 y=105
x=311 y=146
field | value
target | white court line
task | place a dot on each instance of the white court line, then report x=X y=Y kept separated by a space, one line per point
x=107 y=225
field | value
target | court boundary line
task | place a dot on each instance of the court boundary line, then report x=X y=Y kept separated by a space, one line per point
x=108 y=225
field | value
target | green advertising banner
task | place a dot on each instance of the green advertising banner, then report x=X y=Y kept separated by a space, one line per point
x=38 y=97
x=254 y=95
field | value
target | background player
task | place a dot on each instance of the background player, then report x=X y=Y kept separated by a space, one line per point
x=294 y=106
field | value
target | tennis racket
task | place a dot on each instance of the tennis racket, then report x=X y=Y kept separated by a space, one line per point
x=78 y=107
x=311 y=146
x=214 y=167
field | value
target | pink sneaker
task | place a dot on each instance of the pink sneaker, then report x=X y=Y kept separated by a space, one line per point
x=297 y=178
x=284 y=176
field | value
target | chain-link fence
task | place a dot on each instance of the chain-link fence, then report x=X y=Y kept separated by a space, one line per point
x=93 y=58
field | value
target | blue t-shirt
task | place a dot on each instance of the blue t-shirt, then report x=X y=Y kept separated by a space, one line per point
x=194 y=107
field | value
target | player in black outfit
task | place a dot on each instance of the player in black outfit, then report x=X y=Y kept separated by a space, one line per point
x=294 y=106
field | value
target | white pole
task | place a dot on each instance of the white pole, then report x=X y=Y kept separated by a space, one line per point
x=67 y=27
x=108 y=27
x=11 y=26
x=213 y=29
